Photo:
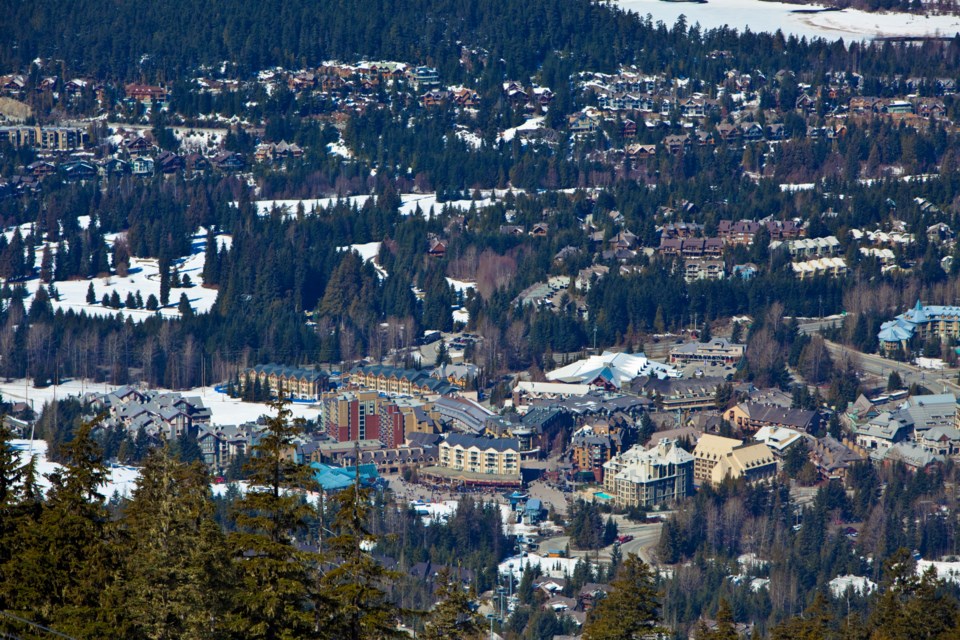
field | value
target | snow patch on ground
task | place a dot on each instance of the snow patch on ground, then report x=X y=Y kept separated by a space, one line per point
x=861 y=585
x=143 y=276
x=122 y=479
x=340 y=149
x=530 y=125
x=470 y=138
x=849 y=24
x=368 y=253
x=461 y=286
x=945 y=570
x=411 y=203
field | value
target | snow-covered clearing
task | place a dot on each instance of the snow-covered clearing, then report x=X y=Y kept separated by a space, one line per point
x=411 y=203
x=551 y=567
x=945 y=570
x=461 y=286
x=122 y=479
x=143 y=275
x=368 y=253
x=530 y=125
x=758 y=15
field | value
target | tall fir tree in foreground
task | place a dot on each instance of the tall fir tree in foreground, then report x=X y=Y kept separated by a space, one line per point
x=64 y=559
x=178 y=577
x=274 y=598
x=11 y=475
x=631 y=610
x=356 y=584
x=453 y=616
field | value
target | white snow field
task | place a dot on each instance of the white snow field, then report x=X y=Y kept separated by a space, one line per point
x=758 y=15
x=143 y=276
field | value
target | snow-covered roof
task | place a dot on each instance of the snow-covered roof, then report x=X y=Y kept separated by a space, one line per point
x=612 y=368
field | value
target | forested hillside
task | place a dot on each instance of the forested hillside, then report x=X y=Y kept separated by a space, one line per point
x=160 y=41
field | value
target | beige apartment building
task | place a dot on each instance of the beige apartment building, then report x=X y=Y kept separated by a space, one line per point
x=716 y=458
x=495 y=456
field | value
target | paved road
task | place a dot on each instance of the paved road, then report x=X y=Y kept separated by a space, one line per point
x=807 y=325
x=938 y=381
x=646 y=536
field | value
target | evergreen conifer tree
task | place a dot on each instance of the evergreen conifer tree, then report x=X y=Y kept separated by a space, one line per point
x=210 y=273
x=46 y=265
x=453 y=616
x=177 y=573
x=275 y=599
x=63 y=560
x=183 y=306
x=11 y=475
x=361 y=610
x=631 y=609
x=164 y=282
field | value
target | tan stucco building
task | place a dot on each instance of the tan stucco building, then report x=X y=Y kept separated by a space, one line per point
x=716 y=458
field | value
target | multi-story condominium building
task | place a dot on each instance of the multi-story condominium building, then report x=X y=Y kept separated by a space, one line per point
x=591 y=450
x=737 y=232
x=492 y=456
x=646 y=478
x=290 y=382
x=221 y=445
x=366 y=415
x=830 y=266
x=925 y=322
x=717 y=350
x=750 y=417
x=52 y=138
x=697 y=269
x=717 y=458
x=351 y=416
x=395 y=381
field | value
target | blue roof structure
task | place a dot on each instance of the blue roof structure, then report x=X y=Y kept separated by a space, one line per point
x=331 y=478
x=902 y=328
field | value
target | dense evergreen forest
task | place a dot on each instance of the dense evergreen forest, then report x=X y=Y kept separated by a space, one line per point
x=160 y=42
